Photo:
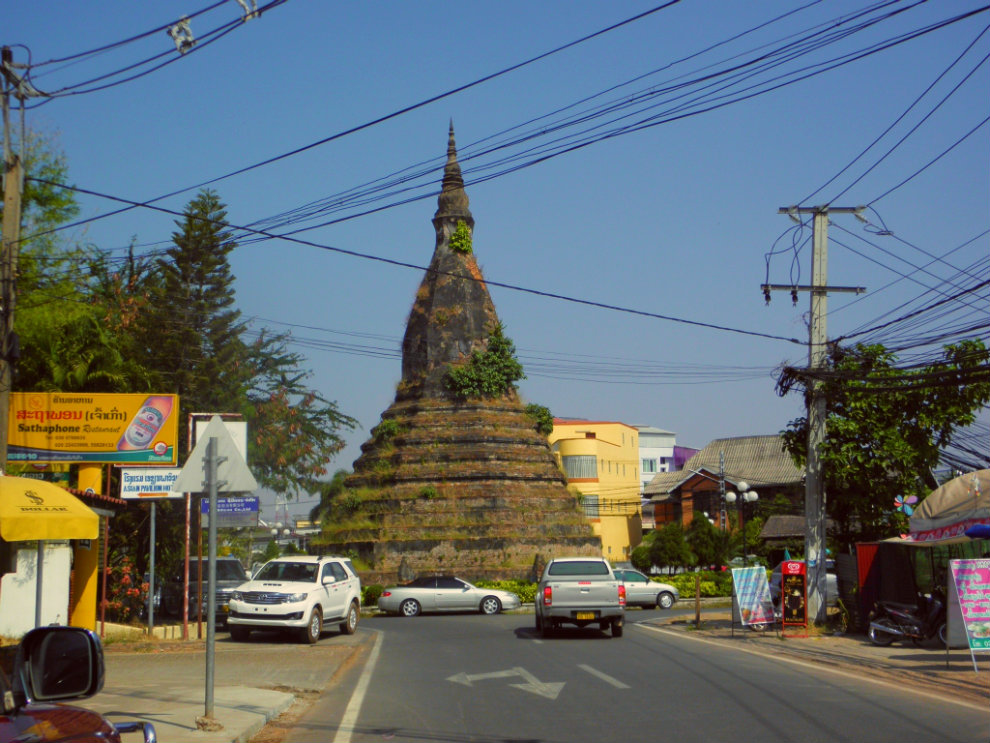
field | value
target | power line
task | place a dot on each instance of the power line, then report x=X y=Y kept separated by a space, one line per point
x=405 y=264
x=559 y=147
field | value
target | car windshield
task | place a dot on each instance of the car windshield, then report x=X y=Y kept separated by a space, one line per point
x=299 y=572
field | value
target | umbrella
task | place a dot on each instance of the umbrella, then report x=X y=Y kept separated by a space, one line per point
x=951 y=508
x=37 y=510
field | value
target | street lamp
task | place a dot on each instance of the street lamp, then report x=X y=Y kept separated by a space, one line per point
x=745 y=496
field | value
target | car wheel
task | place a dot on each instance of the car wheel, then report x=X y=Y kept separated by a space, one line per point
x=665 y=600
x=539 y=622
x=943 y=635
x=490 y=605
x=350 y=623
x=240 y=634
x=546 y=628
x=409 y=608
x=617 y=628
x=314 y=628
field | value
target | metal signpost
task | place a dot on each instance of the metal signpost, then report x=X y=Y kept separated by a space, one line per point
x=214 y=466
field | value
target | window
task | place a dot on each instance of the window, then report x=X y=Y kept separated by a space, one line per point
x=590 y=505
x=649 y=465
x=579 y=567
x=579 y=467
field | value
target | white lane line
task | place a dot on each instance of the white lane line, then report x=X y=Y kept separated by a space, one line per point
x=349 y=720
x=858 y=675
x=604 y=677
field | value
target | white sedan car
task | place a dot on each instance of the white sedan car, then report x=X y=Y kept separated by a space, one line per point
x=444 y=593
x=641 y=591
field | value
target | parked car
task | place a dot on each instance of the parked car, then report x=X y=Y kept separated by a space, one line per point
x=641 y=591
x=444 y=593
x=54 y=665
x=230 y=575
x=299 y=594
x=831 y=584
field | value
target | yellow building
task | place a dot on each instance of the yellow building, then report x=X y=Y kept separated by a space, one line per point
x=600 y=460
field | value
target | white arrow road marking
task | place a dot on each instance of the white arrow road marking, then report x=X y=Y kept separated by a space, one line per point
x=604 y=677
x=550 y=690
x=463 y=678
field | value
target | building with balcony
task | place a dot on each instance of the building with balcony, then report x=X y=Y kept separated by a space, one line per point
x=601 y=461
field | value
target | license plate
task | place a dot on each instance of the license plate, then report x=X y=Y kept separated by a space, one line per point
x=585 y=615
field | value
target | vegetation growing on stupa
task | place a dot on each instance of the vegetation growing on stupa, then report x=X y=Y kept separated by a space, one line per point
x=490 y=373
x=460 y=241
x=542 y=417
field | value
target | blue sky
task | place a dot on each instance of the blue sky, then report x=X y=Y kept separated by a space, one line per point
x=673 y=221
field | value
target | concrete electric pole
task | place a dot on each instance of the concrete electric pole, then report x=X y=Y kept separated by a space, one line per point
x=814 y=486
x=12 y=179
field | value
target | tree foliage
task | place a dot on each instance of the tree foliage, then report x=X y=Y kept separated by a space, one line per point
x=168 y=325
x=708 y=545
x=885 y=428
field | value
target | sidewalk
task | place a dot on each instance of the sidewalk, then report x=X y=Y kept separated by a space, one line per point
x=164 y=683
x=928 y=668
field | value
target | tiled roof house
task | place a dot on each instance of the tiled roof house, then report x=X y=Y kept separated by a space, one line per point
x=759 y=461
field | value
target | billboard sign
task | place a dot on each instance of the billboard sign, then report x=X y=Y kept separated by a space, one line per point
x=96 y=428
x=148 y=482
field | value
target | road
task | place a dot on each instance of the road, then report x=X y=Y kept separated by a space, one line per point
x=475 y=678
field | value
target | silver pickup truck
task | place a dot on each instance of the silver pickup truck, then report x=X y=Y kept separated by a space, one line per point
x=581 y=591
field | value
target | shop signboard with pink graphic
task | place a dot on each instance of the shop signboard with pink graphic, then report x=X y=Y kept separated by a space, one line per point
x=971 y=581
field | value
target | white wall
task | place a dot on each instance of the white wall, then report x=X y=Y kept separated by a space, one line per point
x=17 y=590
x=656 y=445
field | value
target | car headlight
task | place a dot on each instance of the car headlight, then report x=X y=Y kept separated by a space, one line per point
x=293 y=598
x=236 y=596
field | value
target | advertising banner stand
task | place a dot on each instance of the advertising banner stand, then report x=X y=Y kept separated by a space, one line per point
x=751 y=601
x=971 y=584
x=793 y=596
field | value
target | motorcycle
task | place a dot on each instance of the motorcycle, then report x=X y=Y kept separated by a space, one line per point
x=895 y=621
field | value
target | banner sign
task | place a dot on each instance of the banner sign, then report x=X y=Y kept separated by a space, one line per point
x=233 y=512
x=148 y=482
x=971 y=579
x=752 y=595
x=794 y=593
x=92 y=428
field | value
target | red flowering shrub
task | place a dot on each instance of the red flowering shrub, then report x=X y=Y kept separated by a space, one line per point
x=126 y=593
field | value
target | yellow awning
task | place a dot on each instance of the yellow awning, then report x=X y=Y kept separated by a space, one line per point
x=34 y=509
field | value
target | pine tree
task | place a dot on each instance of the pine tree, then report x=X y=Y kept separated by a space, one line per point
x=192 y=330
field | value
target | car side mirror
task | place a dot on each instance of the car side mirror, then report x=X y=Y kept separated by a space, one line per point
x=56 y=663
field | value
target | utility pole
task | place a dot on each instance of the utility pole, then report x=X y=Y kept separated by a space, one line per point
x=12 y=178
x=723 y=518
x=814 y=487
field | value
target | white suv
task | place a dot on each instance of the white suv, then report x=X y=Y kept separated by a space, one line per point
x=300 y=593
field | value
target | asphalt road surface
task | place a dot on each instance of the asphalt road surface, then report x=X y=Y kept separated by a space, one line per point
x=467 y=677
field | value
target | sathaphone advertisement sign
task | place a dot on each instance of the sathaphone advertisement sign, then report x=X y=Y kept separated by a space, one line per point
x=93 y=427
